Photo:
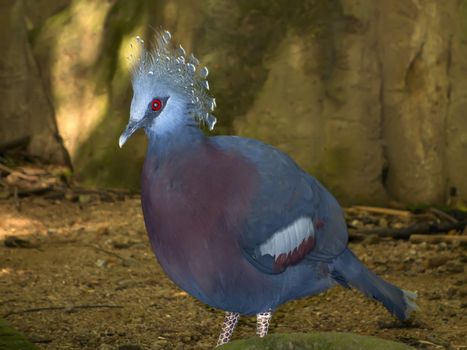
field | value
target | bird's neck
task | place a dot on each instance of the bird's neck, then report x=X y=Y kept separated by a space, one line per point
x=181 y=135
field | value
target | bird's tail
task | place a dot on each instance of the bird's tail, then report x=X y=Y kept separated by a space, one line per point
x=348 y=271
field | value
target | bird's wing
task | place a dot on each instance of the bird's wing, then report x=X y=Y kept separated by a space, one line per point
x=292 y=217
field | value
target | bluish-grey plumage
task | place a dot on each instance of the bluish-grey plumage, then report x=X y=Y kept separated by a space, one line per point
x=287 y=193
x=233 y=221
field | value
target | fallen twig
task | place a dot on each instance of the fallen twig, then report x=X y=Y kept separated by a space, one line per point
x=38 y=340
x=57 y=191
x=438 y=238
x=9 y=170
x=104 y=192
x=386 y=211
x=108 y=252
x=55 y=187
x=410 y=323
x=425 y=227
x=67 y=308
x=23 y=192
x=17 y=202
x=426 y=342
x=444 y=215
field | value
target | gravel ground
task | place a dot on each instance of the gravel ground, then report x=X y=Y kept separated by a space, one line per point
x=89 y=265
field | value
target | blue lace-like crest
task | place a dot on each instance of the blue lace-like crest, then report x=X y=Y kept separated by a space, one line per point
x=170 y=69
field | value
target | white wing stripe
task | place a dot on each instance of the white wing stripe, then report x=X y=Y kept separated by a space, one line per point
x=289 y=238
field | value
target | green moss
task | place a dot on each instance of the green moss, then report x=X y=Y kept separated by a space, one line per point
x=11 y=339
x=315 y=341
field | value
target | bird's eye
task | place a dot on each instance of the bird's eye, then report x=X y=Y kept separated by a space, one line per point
x=156 y=105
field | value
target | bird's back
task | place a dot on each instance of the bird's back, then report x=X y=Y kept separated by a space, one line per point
x=286 y=192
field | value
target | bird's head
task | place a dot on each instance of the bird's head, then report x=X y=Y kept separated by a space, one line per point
x=168 y=88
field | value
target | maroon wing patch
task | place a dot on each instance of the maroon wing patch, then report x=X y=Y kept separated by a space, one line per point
x=291 y=258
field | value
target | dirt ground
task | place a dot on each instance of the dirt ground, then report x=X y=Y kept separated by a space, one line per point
x=89 y=265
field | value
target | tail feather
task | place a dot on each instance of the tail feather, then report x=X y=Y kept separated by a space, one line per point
x=348 y=271
x=409 y=298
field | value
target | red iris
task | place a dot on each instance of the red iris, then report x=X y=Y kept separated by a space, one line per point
x=156 y=105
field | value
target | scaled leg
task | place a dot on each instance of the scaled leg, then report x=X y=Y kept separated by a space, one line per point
x=230 y=321
x=262 y=323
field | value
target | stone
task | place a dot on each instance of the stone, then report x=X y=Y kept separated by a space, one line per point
x=436 y=261
x=455 y=267
x=372 y=239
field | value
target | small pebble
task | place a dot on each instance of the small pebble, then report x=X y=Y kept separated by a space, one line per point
x=463 y=292
x=433 y=296
x=372 y=239
x=17 y=242
x=106 y=347
x=455 y=267
x=104 y=231
x=418 y=268
x=129 y=347
x=443 y=245
x=121 y=244
x=383 y=222
x=100 y=263
x=436 y=261
x=452 y=292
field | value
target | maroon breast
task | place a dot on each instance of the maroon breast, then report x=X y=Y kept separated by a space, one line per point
x=194 y=205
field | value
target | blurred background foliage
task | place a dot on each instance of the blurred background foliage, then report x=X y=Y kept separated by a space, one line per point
x=368 y=96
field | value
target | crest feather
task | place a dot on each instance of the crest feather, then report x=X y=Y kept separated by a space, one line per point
x=169 y=68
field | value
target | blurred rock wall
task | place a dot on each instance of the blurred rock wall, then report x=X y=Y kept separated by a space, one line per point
x=27 y=116
x=369 y=96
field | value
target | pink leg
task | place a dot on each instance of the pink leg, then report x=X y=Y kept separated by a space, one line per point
x=262 y=323
x=230 y=321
